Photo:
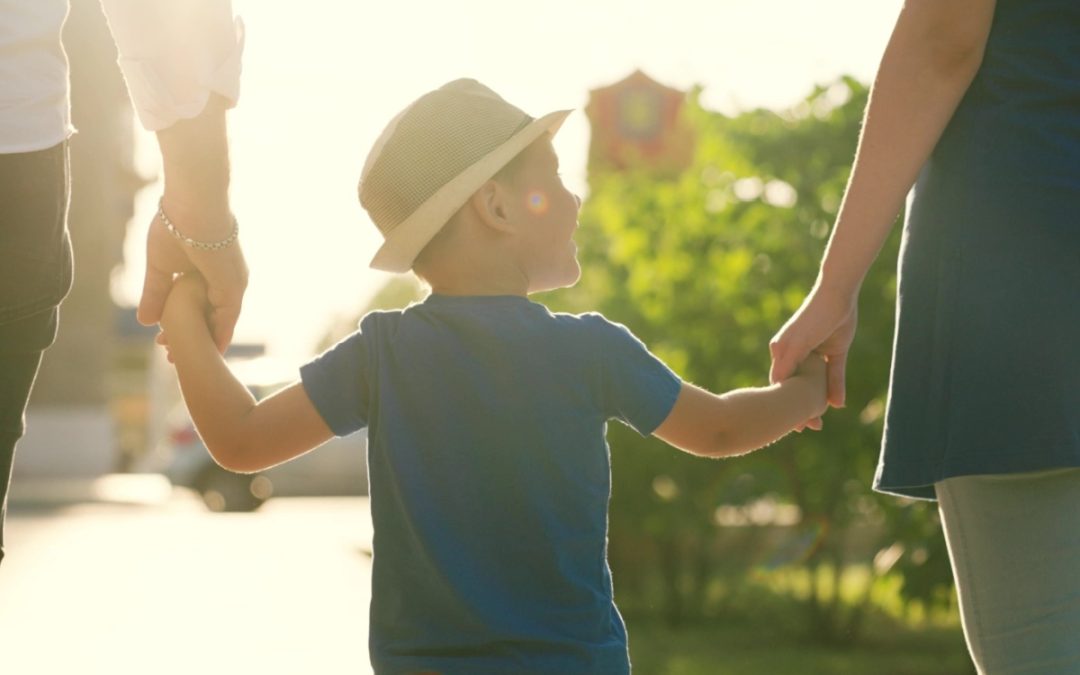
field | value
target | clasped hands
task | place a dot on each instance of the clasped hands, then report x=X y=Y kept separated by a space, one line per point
x=823 y=325
x=221 y=274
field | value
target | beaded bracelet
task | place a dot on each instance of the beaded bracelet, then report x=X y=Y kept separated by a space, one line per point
x=194 y=243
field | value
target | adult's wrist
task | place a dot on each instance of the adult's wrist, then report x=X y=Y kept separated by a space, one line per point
x=195 y=162
x=840 y=286
x=193 y=243
x=196 y=197
x=199 y=216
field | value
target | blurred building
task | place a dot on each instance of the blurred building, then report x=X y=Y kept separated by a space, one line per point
x=637 y=123
x=71 y=429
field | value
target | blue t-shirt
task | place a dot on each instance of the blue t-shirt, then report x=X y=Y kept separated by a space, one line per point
x=490 y=479
x=986 y=371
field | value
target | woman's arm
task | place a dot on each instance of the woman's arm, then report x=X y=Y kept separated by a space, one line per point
x=931 y=59
x=934 y=52
x=181 y=62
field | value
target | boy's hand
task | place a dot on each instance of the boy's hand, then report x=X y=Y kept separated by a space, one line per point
x=187 y=303
x=824 y=324
x=814 y=370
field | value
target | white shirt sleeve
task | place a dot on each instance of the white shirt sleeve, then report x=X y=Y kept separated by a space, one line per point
x=175 y=53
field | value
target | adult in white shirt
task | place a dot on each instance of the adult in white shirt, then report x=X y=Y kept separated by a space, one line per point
x=181 y=61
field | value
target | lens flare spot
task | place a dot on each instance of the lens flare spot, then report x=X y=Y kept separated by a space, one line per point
x=537 y=202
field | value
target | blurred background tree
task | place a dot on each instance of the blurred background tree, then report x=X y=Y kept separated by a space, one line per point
x=704 y=264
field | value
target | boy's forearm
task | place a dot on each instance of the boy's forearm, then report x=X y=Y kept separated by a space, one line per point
x=217 y=401
x=759 y=416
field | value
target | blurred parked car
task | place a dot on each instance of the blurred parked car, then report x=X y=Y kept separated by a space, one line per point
x=338 y=467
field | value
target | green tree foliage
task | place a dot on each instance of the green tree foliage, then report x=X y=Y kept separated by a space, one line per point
x=705 y=266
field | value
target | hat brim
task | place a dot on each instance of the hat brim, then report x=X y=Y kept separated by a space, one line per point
x=405 y=241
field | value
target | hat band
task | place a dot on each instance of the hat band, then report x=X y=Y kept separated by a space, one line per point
x=525 y=122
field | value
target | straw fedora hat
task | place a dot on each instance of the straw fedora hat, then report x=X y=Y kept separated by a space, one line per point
x=433 y=156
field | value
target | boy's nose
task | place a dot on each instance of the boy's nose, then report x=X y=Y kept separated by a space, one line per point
x=578 y=200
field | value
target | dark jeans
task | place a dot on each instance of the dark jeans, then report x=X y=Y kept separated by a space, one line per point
x=17 y=373
x=35 y=275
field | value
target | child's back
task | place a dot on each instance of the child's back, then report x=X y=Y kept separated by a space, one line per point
x=486 y=413
x=490 y=478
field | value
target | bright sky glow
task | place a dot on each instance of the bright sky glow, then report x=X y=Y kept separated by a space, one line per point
x=320 y=83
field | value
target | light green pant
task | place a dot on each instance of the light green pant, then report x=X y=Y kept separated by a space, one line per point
x=1014 y=541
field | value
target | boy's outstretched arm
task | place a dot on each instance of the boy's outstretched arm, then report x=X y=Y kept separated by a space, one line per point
x=743 y=420
x=242 y=435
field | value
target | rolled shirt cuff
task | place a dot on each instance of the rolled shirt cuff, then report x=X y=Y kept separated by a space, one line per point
x=163 y=94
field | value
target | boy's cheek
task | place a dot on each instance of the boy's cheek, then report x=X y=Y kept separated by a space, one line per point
x=573 y=274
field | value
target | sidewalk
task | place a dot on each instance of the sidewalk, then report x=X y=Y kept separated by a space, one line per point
x=119 y=488
x=123 y=576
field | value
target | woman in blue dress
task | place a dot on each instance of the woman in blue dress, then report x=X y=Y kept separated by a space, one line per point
x=976 y=105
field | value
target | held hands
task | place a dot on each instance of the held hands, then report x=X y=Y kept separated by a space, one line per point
x=195 y=161
x=188 y=301
x=224 y=273
x=186 y=308
x=813 y=369
x=824 y=326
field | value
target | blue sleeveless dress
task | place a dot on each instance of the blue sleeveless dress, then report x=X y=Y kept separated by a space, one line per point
x=986 y=362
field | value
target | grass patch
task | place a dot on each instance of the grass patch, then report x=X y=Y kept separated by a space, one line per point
x=767 y=647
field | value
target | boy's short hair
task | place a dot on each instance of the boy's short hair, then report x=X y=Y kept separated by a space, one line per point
x=433 y=156
x=507 y=174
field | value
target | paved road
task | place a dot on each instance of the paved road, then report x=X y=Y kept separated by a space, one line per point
x=148 y=582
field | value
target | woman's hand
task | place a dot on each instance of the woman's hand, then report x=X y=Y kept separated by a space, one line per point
x=823 y=325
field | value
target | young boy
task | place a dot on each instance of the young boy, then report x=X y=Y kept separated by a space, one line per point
x=486 y=413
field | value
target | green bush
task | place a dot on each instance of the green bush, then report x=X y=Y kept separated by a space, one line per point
x=705 y=266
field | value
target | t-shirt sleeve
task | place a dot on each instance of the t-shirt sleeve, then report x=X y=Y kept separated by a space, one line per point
x=637 y=388
x=336 y=381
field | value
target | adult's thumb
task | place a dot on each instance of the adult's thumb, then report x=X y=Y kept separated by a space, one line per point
x=156 y=287
x=784 y=360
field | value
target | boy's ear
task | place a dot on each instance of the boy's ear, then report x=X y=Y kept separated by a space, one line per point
x=491 y=204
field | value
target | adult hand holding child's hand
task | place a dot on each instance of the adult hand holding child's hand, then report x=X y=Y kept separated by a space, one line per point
x=824 y=325
x=199 y=232
x=186 y=306
x=814 y=370
x=225 y=269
